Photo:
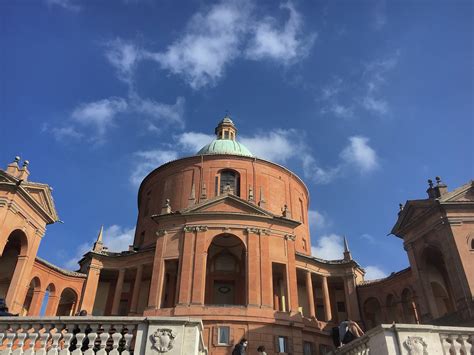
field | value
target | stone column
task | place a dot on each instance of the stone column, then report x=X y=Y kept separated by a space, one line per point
x=253 y=268
x=118 y=293
x=326 y=299
x=90 y=288
x=52 y=306
x=200 y=261
x=156 y=285
x=292 y=283
x=36 y=303
x=310 y=295
x=266 y=272
x=136 y=289
x=187 y=263
x=421 y=284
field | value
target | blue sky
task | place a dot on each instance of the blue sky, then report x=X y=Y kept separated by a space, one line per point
x=365 y=100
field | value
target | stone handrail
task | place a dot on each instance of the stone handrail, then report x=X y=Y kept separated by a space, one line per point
x=100 y=335
x=411 y=339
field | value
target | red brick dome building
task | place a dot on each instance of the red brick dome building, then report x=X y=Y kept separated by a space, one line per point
x=223 y=236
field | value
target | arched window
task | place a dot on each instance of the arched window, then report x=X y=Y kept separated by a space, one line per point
x=229 y=182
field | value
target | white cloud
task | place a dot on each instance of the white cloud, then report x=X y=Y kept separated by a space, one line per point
x=284 y=45
x=329 y=247
x=124 y=56
x=277 y=145
x=374 y=272
x=317 y=174
x=65 y=4
x=117 y=238
x=192 y=142
x=99 y=114
x=377 y=106
x=369 y=238
x=360 y=154
x=380 y=16
x=340 y=111
x=210 y=42
x=159 y=112
x=146 y=161
x=318 y=221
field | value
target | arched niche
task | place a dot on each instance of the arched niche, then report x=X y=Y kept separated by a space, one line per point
x=17 y=245
x=67 y=302
x=372 y=312
x=227 y=181
x=226 y=271
x=439 y=280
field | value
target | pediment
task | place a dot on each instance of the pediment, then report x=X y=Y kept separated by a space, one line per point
x=41 y=197
x=227 y=204
x=413 y=211
x=464 y=193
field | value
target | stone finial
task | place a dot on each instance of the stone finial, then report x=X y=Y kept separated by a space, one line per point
x=204 y=192
x=23 y=173
x=13 y=167
x=400 y=206
x=441 y=188
x=25 y=163
x=347 y=252
x=261 y=201
x=99 y=244
x=431 y=191
x=251 y=197
x=167 y=207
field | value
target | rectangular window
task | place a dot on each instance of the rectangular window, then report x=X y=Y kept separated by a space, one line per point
x=307 y=348
x=282 y=344
x=226 y=134
x=223 y=335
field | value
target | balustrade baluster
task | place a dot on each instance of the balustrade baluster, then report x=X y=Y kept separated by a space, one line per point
x=126 y=347
x=67 y=337
x=103 y=340
x=32 y=336
x=55 y=336
x=92 y=336
x=10 y=339
x=43 y=343
x=116 y=338
x=79 y=338
x=21 y=335
x=470 y=344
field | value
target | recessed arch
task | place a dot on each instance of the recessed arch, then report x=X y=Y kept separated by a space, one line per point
x=372 y=312
x=33 y=289
x=16 y=246
x=391 y=306
x=226 y=271
x=435 y=270
x=49 y=293
x=67 y=302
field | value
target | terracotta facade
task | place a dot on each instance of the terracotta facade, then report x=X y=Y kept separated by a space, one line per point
x=225 y=238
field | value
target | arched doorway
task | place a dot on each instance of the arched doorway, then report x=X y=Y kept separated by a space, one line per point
x=17 y=245
x=372 y=312
x=436 y=273
x=33 y=291
x=408 y=307
x=225 y=272
x=67 y=302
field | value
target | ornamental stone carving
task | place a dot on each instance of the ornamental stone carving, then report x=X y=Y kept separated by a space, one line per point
x=290 y=237
x=189 y=229
x=259 y=231
x=163 y=340
x=416 y=346
x=161 y=232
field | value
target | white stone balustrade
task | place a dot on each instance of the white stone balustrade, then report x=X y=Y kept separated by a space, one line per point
x=410 y=339
x=100 y=335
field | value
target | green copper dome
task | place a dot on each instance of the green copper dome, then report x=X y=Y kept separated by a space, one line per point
x=225 y=146
x=226 y=142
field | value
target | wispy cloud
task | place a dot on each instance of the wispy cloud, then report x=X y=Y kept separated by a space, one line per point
x=100 y=115
x=285 y=43
x=124 y=57
x=360 y=154
x=116 y=238
x=329 y=247
x=192 y=142
x=374 y=272
x=318 y=221
x=146 y=161
x=379 y=15
x=69 y=5
x=158 y=113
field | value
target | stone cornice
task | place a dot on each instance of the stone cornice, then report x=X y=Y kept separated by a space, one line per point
x=60 y=270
